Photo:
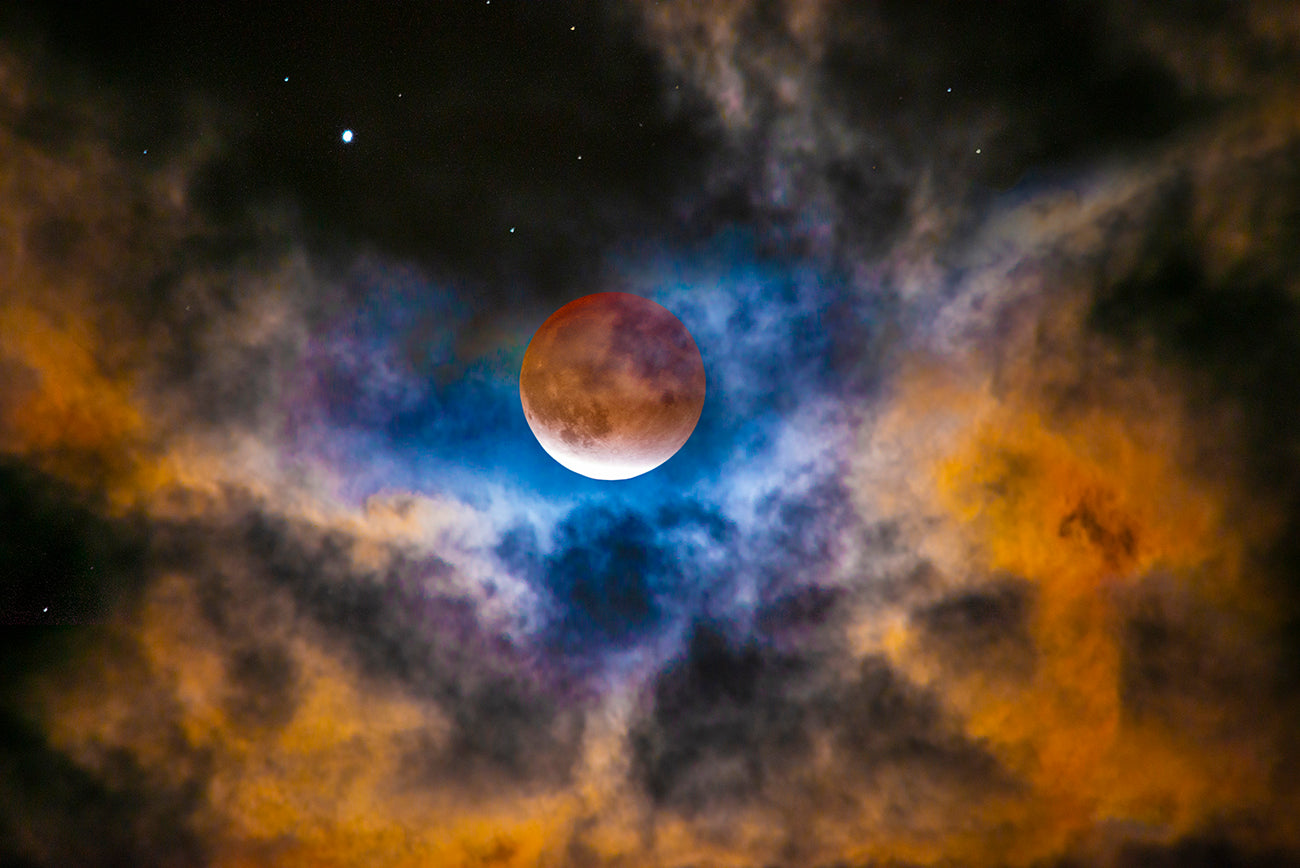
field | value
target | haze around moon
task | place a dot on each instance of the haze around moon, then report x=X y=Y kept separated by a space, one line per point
x=612 y=385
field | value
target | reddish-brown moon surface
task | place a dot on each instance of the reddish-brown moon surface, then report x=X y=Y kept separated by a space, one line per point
x=612 y=385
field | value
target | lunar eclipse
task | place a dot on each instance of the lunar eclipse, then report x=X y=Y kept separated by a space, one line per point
x=985 y=551
x=612 y=385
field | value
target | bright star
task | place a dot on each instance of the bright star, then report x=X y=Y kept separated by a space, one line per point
x=347 y=135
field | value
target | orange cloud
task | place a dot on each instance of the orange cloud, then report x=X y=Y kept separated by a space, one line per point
x=1096 y=514
x=66 y=411
x=327 y=786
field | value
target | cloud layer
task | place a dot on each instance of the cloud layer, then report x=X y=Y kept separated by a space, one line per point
x=982 y=552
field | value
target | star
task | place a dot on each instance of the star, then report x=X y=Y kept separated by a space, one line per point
x=347 y=136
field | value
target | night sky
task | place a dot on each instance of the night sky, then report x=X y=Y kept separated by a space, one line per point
x=986 y=548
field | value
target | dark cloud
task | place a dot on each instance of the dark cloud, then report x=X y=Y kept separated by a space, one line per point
x=733 y=721
x=1034 y=84
x=263 y=680
x=65 y=562
x=1170 y=659
x=802 y=616
x=986 y=629
x=503 y=735
x=1203 y=852
x=807 y=533
x=105 y=803
x=1225 y=318
x=724 y=719
x=510 y=719
x=1219 y=49
x=845 y=118
x=882 y=720
x=610 y=576
x=1232 y=330
x=615 y=577
x=55 y=812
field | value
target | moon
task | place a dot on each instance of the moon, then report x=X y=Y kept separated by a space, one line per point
x=612 y=385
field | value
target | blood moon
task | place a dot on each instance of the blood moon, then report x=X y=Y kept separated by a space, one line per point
x=612 y=385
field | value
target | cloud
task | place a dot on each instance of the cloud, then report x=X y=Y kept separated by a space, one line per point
x=57 y=812
x=983 y=552
x=62 y=555
x=404 y=622
x=288 y=680
x=1202 y=850
x=1101 y=528
x=741 y=735
x=851 y=127
x=984 y=630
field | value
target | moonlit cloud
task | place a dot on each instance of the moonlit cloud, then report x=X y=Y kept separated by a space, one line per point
x=982 y=552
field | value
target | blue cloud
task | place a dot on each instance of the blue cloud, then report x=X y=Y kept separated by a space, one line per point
x=614 y=577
